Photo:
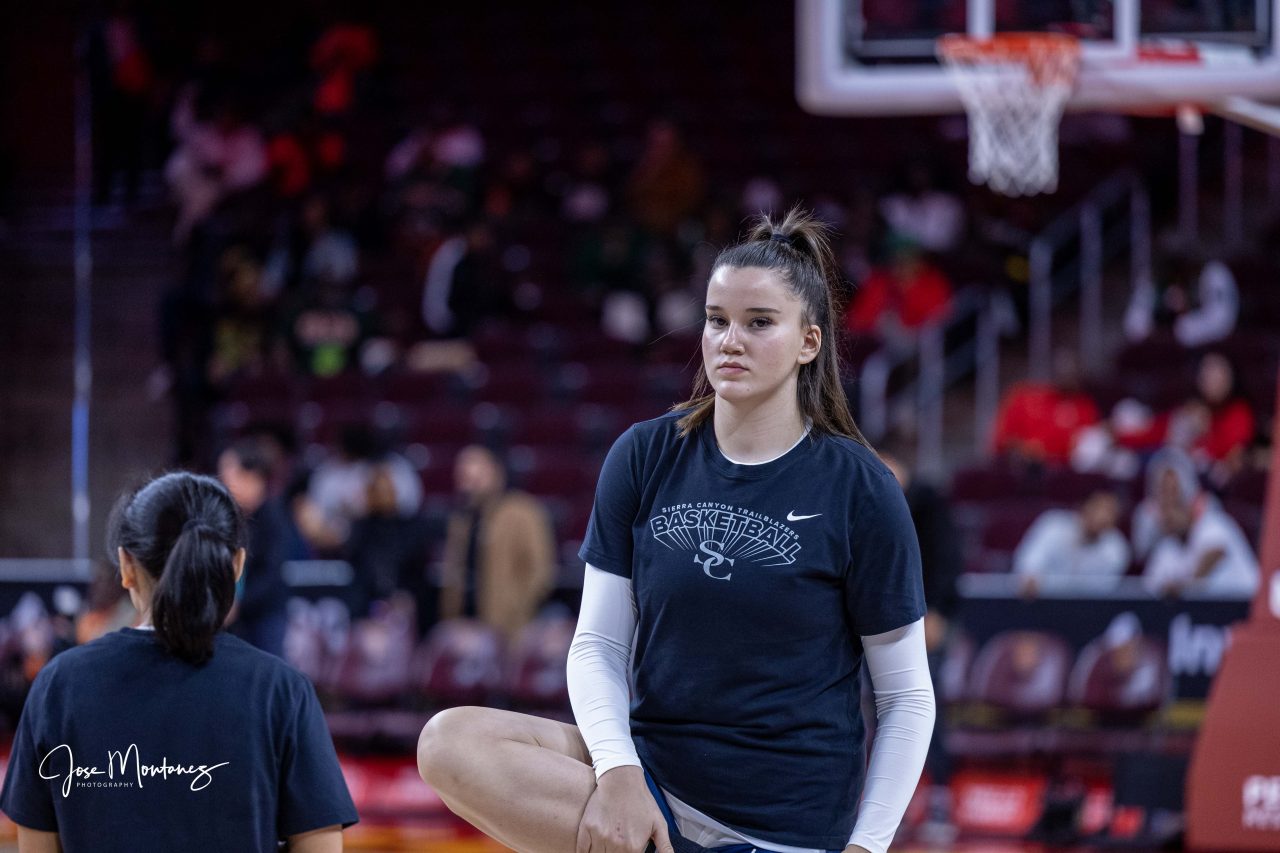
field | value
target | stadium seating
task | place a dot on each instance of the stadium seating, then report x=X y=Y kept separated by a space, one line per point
x=1022 y=673
x=1120 y=684
x=536 y=671
x=460 y=663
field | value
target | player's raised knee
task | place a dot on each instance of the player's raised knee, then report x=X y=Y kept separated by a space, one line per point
x=440 y=740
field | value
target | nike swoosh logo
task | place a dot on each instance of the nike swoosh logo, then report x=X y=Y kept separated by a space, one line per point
x=791 y=516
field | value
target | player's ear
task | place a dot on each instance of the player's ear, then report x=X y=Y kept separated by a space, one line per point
x=812 y=344
x=128 y=569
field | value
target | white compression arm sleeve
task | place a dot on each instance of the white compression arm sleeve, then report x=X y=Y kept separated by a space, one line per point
x=597 y=672
x=905 y=710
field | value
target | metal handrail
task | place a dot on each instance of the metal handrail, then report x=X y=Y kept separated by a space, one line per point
x=1083 y=222
x=939 y=369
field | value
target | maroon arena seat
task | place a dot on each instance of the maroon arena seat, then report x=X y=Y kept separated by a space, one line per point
x=1003 y=527
x=1023 y=673
x=460 y=663
x=536 y=674
x=1123 y=683
x=953 y=679
x=985 y=483
x=375 y=666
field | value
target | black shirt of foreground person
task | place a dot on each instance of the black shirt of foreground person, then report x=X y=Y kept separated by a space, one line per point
x=123 y=746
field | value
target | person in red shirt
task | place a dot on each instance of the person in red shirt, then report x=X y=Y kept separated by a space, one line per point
x=1215 y=424
x=901 y=297
x=1040 y=420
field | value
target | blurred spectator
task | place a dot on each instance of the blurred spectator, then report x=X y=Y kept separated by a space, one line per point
x=1214 y=425
x=607 y=259
x=218 y=153
x=32 y=638
x=289 y=164
x=123 y=83
x=667 y=184
x=461 y=284
x=1131 y=679
x=901 y=297
x=923 y=213
x=241 y=319
x=341 y=53
x=1198 y=547
x=866 y=238
x=1170 y=475
x=107 y=607
x=388 y=550
x=328 y=329
x=435 y=177
x=259 y=616
x=1041 y=420
x=587 y=197
x=499 y=560
x=940 y=562
x=314 y=251
x=1204 y=317
x=1082 y=546
x=516 y=194
x=337 y=492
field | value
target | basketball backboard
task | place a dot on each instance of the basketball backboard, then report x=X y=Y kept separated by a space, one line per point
x=877 y=57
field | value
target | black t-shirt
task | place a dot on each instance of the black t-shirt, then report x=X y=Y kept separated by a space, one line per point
x=753 y=585
x=939 y=546
x=265 y=592
x=124 y=747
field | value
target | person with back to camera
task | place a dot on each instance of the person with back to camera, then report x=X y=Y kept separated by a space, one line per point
x=175 y=735
x=744 y=552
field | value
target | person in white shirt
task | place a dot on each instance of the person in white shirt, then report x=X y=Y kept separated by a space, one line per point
x=1213 y=317
x=932 y=218
x=1082 y=545
x=1204 y=550
x=1171 y=476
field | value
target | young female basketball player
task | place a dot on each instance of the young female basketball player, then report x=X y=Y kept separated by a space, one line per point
x=743 y=554
x=175 y=735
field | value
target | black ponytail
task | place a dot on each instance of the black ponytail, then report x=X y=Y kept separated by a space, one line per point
x=184 y=530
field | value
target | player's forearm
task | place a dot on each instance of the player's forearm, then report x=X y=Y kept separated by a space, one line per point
x=905 y=712
x=597 y=670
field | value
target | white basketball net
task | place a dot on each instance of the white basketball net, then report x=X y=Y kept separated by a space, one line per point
x=1014 y=87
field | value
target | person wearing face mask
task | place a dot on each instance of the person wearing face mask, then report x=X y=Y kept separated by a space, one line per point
x=745 y=552
x=1184 y=538
x=175 y=735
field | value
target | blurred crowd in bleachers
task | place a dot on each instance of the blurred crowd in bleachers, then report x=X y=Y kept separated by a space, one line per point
x=420 y=295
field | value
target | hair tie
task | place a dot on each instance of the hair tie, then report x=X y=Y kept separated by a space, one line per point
x=193 y=524
x=781 y=238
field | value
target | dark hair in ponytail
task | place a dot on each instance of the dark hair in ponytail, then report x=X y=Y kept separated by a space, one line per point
x=798 y=249
x=183 y=530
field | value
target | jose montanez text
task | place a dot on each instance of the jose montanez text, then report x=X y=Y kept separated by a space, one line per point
x=121 y=765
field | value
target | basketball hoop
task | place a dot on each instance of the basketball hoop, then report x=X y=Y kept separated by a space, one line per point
x=1014 y=87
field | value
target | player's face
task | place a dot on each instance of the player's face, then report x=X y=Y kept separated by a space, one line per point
x=755 y=338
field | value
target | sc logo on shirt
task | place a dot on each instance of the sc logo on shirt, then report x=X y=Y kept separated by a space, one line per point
x=714 y=557
x=718 y=536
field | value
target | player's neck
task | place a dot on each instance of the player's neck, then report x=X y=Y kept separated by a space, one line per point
x=757 y=433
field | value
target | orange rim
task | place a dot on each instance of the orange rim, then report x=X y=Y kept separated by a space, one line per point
x=1050 y=57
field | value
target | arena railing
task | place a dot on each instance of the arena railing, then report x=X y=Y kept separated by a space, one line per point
x=1069 y=256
